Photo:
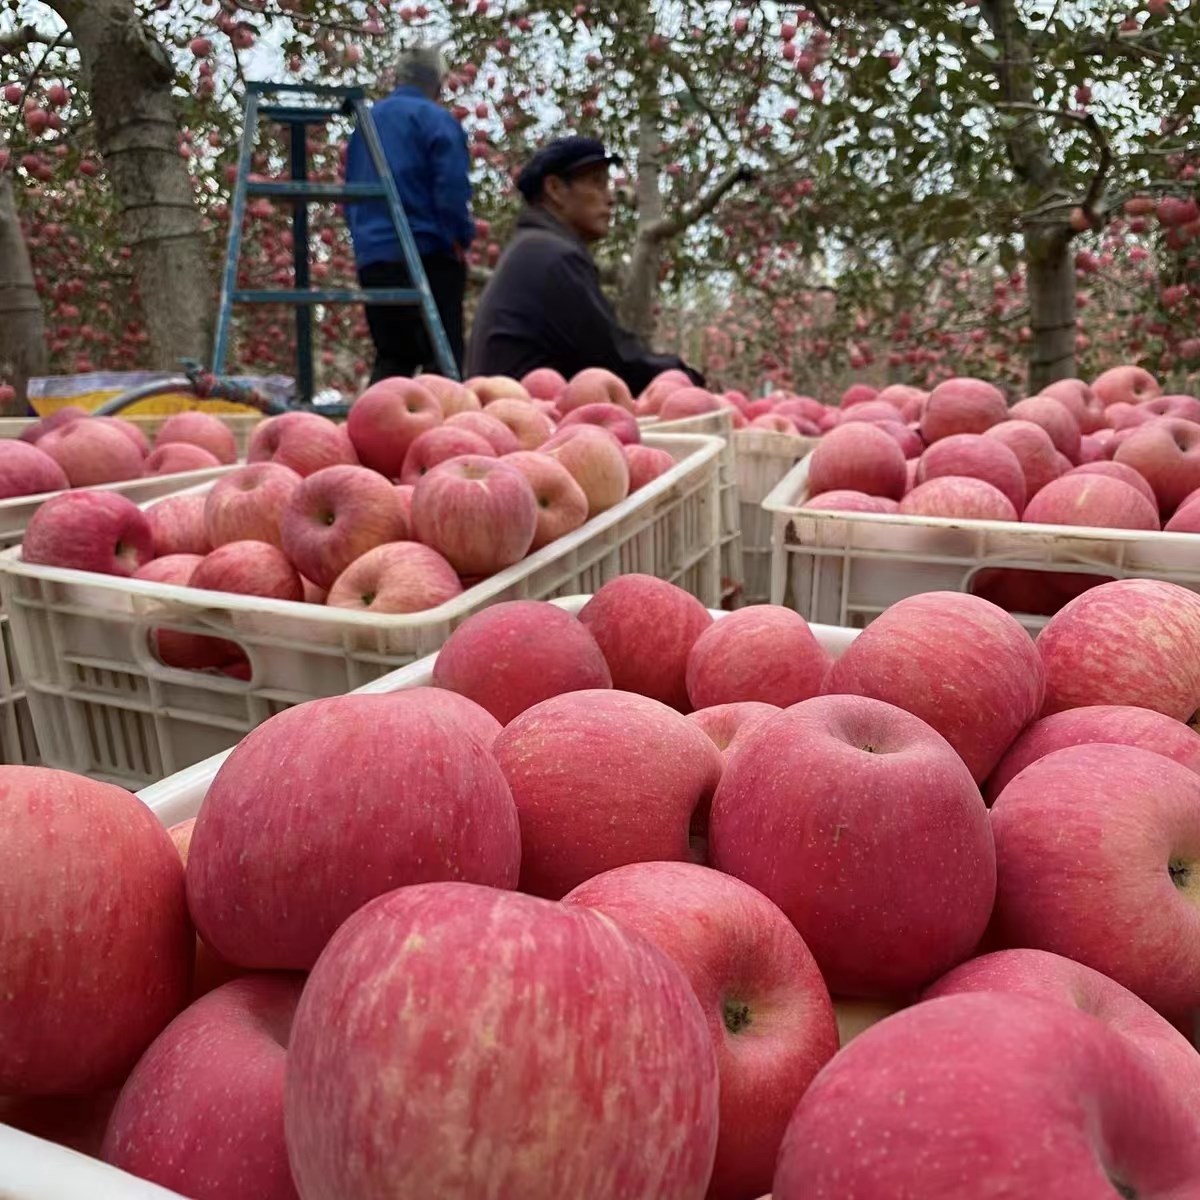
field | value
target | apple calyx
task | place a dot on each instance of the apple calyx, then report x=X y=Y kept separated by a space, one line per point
x=1181 y=874
x=736 y=1014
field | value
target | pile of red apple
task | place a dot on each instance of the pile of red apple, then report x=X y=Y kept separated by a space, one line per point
x=72 y=449
x=428 y=487
x=1113 y=455
x=572 y=921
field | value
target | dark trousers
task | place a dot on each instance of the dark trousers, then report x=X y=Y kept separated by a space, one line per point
x=402 y=347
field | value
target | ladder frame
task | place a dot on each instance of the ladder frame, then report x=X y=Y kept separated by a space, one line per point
x=301 y=191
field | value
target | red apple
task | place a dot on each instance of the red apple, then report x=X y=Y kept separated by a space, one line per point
x=493 y=431
x=1126 y=384
x=1186 y=518
x=452 y=397
x=660 y=387
x=496 y=387
x=768 y=1010
x=172 y=647
x=907 y=438
x=385 y=421
x=1125 y=474
x=844 y=500
x=857 y=457
x=397 y=577
x=452 y=1022
x=775 y=423
x=27 y=471
x=1055 y=418
x=470 y=719
x=1092 y=500
x=1128 y=642
x=1091 y=449
x=728 y=725
x=910 y=401
x=1034 y=450
x=974 y=456
x=857 y=393
x=90 y=452
x=646 y=463
x=925 y=653
x=873 y=411
x=200 y=429
x=1127 y=416
x=127 y=429
x=55 y=420
x=1184 y=408
x=961 y=406
x=596 y=386
x=202 y=1112
x=958 y=497
x=334 y=517
x=544 y=384
x=646 y=629
x=439 y=446
x=248 y=504
x=1080 y=401
x=512 y=656
x=640 y=774
x=562 y=506
x=303 y=441
x=989 y=1094
x=688 y=402
x=1095 y=852
x=596 y=462
x=763 y=652
x=1167 y=453
x=479 y=513
x=864 y=826
x=618 y=421
x=89 y=531
x=95 y=945
x=248 y=569
x=270 y=876
x=176 y=457
x=177 y=525
x=530 y=427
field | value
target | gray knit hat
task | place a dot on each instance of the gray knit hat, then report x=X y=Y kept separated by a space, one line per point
x=423 y=67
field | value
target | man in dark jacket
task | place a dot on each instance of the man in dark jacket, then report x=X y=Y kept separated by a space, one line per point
x=544 y=307
x=426 y=149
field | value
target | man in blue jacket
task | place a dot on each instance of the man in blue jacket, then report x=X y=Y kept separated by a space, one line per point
x=426 y=149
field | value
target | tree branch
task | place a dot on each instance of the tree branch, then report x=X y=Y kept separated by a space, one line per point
x=671 y=227
x=16 y=40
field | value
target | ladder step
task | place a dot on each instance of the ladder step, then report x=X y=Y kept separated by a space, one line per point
x=318 y=115
x=306 y=190
x=328 y=296
x=263 y=87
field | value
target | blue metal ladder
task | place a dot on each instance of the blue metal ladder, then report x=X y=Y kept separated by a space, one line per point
x=301 y=191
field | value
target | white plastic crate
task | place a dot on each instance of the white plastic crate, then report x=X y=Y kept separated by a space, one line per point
x=718 y=424
x=103 y=705
x=845 y=569
x=17 y=741
x=763 y=459
x=33 y=1169
x=242 y=425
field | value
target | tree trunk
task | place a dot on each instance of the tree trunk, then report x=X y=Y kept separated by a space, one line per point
x=129 y=76
x=1050 y=284
x=640 y=290
x=22 y=333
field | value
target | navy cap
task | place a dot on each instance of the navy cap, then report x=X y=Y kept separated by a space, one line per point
x=561 y=157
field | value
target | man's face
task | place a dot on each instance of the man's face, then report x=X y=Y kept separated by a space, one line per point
x=584 y=200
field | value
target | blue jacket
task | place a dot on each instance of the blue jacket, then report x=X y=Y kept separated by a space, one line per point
x=427 y=150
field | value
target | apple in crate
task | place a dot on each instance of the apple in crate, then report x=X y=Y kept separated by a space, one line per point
x=452 y=397
x=89 y=531
x=596 y=461
x=126 y=428
x=200 y=429
x=397 y=577
x=646 y=463
x=618 y=421
x=544 y=383
x=1167 y=452
x=91 y=452
x=858 y=457
x=1047 y=976
x=764 y=652
x=178 y=525
x=55 y=420
x=989 y=1095
x=1098 y=858
x=595 y=385
x=728 y=725
x=646 y=629
x=27 y=471
x=927 y=652
x=173 y=647
x=95 y=944
x=202 y=1113
x=479 y=513
x=337 y=515
x=176 y=457
x=688 y=402
x=472 y=720
x=600 y=779
x=976 y=457
x=1132 y=641
x=1092 y=500
x=493 y=431
x=530 y=427
x=439 y=446
x=659 y=388
x=248 y=504
x=248 y=569
x=865 y=827
x=958 y=497
x=385 y=421
x=961 y=405
x=496 y=387
x=1080 y=401
x=1186 y=518
x=1116 y=724
x=1034 y=450
x=414 y=1068
x=1055 y=418
x=305 y=442
x=844 y=500
x=1120 y=471
x=512 y=656
x=1126 y=385
x=562 y=506
x=270 y=876
x=768 y=1010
